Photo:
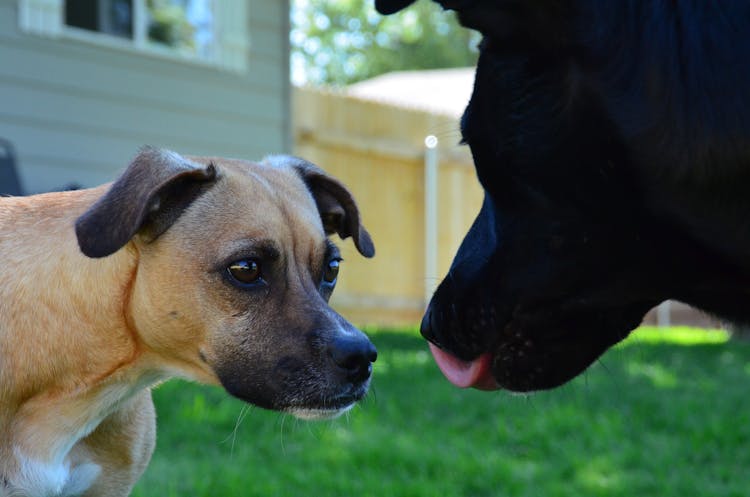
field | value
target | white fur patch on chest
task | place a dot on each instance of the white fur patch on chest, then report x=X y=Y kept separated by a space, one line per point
x=41 y=479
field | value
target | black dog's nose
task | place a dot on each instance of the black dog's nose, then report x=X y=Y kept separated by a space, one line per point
x=428 y=328
x=354 y=356
x=425 y=328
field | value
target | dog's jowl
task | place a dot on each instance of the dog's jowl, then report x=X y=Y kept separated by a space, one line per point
x=210 y=269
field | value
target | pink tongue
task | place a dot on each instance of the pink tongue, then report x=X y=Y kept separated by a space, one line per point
x=465 y=374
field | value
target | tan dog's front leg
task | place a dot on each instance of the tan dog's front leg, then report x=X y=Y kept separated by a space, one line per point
x=122 y=445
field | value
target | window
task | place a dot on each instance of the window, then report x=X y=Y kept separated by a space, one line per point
x=208 y=31
x=113 y=17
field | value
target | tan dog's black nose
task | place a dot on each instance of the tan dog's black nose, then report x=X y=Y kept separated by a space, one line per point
x=354 y=356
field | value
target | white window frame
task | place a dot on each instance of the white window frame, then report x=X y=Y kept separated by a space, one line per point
x=232 y=50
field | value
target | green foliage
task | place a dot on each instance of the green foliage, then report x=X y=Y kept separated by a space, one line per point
x=657 y=417
x=168 y=24
x=343 y=41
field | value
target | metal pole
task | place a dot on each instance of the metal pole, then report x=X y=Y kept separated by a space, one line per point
x=664 y=314
x=430 y=216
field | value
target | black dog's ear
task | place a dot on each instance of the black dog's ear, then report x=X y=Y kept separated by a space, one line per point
x=338 y=210
x=386 y=7
x=147 y=199
x=544 y=22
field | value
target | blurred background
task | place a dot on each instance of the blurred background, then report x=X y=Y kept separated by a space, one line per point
x=376 y=101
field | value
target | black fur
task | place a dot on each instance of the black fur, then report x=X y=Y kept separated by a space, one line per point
x=613 y=143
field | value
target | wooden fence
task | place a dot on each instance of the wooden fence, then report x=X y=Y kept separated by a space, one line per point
x=379 y=152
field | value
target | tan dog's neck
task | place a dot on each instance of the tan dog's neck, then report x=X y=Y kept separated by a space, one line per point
x=71 y=324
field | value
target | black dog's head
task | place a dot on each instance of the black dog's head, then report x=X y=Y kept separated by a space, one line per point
x=572 y=245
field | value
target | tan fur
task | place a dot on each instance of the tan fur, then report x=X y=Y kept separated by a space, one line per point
x=82 y=339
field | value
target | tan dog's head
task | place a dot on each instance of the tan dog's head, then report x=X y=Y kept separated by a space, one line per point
x=234 y=274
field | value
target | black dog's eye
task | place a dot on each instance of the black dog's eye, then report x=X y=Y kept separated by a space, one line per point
x=331 y=271
x=246 y=271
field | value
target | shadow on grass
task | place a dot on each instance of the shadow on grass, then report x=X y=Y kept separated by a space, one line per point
x=650 y=419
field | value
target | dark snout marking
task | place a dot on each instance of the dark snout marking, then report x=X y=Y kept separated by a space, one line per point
x=353 y=355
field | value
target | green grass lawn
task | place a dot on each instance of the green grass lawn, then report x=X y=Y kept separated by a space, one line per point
x=664 y=414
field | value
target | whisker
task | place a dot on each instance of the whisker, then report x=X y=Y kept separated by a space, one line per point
x=233 y=435
x=372 y=394
x=284 y=416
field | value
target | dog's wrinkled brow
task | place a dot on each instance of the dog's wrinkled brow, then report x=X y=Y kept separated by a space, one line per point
x=263 y=248
x=267 y=248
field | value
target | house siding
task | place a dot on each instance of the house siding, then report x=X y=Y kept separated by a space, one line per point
x=77 y=112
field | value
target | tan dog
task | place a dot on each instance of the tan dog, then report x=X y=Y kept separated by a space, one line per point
x=210 y=269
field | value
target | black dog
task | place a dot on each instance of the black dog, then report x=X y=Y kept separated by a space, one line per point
x=613 y=143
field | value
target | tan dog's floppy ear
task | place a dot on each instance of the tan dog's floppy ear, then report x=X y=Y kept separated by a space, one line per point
x=336 y=205
x=148 y=197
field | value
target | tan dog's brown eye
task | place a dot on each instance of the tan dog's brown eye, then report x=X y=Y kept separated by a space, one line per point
x=246 y=271
x=331 y=271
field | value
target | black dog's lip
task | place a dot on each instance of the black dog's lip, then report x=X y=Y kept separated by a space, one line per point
x=538 y=346
x=544 y=352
